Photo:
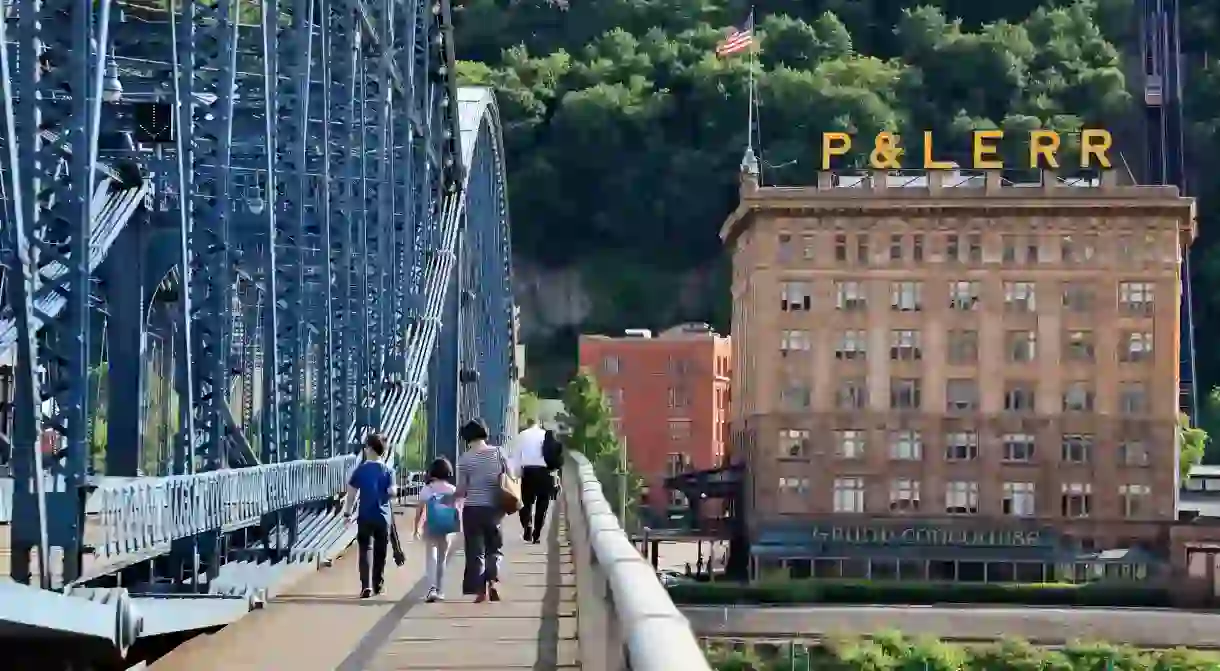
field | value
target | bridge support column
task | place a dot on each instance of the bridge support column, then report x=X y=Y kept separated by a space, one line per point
x=443 y=388
x=126 y=302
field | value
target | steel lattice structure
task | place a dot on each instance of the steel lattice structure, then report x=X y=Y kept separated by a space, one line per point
x=341 y=208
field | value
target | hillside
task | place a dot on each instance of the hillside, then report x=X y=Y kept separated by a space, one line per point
x=624 y=131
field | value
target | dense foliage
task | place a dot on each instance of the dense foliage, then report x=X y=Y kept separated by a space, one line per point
x=624 y=130
x=794 y=592
x=892 y=652
x=587 y=421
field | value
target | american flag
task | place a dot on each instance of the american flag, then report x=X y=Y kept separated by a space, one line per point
x=738 y=39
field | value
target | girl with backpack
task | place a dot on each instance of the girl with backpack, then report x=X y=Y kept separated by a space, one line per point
x=439 y=516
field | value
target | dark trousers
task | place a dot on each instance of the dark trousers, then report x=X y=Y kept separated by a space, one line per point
x=484 y=547
x=372 y=537
x=536 y=486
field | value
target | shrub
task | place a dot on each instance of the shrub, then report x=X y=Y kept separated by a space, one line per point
x=790 y=592
x=890 y=651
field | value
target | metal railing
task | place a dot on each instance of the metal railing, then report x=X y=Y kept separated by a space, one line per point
x=146 y=513
x=626 y=618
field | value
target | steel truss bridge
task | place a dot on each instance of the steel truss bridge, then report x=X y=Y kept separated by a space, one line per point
x=237 y=238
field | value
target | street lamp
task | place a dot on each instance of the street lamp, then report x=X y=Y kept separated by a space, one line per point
x=112 y=88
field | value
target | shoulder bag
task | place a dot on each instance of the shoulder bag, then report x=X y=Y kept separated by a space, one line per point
x=510 y=488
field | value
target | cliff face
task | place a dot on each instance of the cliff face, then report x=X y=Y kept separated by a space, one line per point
x=580 y=297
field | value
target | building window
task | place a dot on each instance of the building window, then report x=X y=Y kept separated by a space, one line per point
x=611 y=365
x=1019 y=297
x=840 y=247
x=678 y=398
x=1132 y=398
x=793 y=443
x=677 y=366
x=906 y=446
x=679 y=429
x=852 y=394
x=1075 y=251
x=962 y=446
x=1009 y=254
x=862 y=249
x=1136 y=347
x=1133 y=453
x=895 y=247
x=1019 y=397
x=1077 y=297
x=1077 y=448
x=676 y=463
x=904 y=495
x=794 y=341
x=961 y=395
x=963 y=347
x=964 y=296
x=1136 y=298
x=1079 y=346
x=975 y=243
x=1032 y=248
x=1018 y=447
x=810 y=243
x=906 y=296
x=961 y=497
x=1019 y=499
x=795 y=297
x=917 y=247
x=853 y=346
x=1077 y=499
x=849 y=444
x=904 y=346
x=614 y=400
x=794 y=485
x=1022 y=346
x=1078 y=397
x=905 y=394
x=849 y=296
x=849 y=495
x=795 y=396
x=1135 y=500
x=953 y=248
x=784 y=248
x=1124 y=249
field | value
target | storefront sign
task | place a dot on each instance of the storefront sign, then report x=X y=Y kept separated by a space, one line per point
x=889 y=154
x=927 y=535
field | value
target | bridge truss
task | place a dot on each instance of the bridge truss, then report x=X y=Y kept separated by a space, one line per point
x=341 y=209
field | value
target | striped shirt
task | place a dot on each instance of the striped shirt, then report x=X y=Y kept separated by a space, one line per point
x=478 y=473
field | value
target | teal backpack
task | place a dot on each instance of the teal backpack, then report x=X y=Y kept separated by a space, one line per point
x=442 y=515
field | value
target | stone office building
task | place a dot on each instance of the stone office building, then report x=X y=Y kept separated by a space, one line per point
x=949 y=376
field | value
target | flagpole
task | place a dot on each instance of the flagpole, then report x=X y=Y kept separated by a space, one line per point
x=753 y=102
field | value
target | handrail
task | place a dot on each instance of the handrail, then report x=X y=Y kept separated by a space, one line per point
x=625 y=618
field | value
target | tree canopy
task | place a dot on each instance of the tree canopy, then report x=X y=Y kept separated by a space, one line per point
x=624 y=130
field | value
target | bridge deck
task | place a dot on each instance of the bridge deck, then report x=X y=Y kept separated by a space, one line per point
x=320 y=625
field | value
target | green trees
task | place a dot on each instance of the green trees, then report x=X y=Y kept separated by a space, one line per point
x=624 y=131
x=890 y=651
x=1192 y=443
x=589 y=431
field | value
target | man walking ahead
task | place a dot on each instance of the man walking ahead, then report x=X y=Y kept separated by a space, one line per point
x=372 y=483
x=530 y=451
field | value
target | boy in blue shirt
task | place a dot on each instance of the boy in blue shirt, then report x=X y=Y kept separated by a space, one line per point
x=373 y=483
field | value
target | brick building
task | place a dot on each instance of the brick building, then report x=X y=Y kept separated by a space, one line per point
x=953 y=377
x=670 y=399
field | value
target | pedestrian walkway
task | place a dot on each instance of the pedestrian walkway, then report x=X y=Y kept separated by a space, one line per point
x=319 y=624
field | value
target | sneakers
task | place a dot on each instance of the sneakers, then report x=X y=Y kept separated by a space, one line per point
x=527 y=535
x=434 y=595
x=366 y=593
x=379 y=589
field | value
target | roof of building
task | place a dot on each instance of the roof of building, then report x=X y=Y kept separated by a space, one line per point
x=684 y=331
x=887 y=191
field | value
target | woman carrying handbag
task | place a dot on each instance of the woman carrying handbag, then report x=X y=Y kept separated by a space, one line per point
x=489 y=491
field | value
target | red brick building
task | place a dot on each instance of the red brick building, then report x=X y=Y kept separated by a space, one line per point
x=670 y=397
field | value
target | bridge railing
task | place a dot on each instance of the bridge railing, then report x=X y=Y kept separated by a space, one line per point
x=626 y=618
x=146 y=513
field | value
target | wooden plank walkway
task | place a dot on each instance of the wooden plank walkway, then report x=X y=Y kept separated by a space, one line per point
x=320 y=625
